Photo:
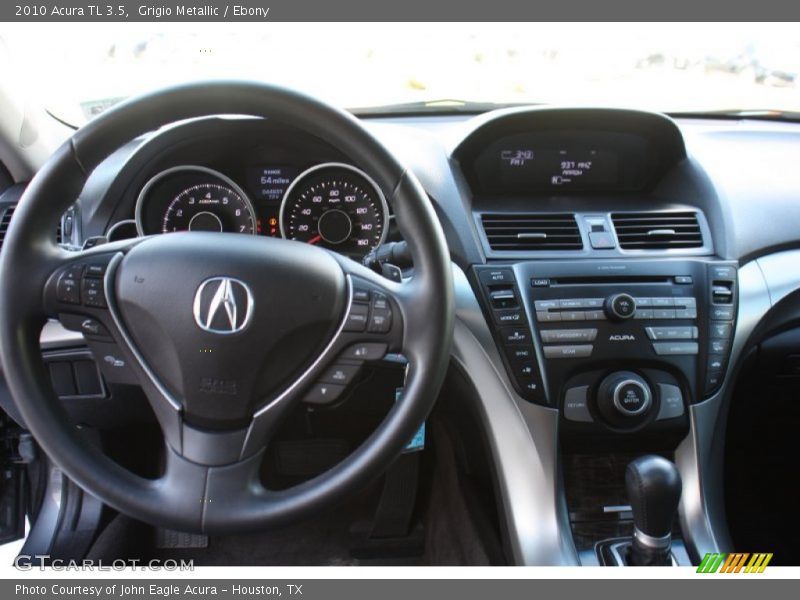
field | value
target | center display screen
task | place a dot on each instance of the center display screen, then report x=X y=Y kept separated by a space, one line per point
x=564 y=161
x=561 y=166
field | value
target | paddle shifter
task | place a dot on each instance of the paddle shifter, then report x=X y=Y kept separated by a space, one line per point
x=654 y=490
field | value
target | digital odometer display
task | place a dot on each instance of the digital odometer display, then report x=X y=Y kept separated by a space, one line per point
x=560 y=167
x=337 y=207
x=270 y=182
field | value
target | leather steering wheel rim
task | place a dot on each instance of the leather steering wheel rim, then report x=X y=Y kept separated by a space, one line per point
x=183 y=501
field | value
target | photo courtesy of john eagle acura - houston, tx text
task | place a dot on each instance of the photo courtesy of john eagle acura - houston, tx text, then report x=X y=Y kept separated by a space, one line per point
x=527 y=296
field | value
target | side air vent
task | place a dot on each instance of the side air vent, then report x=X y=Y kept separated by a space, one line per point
x=532 y=232
x=5 y=219
x=657 y=230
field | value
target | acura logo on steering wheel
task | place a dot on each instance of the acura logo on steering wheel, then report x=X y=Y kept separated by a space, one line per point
x=223 y=305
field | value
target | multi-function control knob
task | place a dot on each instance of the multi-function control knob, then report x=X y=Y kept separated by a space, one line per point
x=620 y=307
x=624 y=398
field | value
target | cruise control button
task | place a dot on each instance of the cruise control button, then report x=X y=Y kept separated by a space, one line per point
x=96 y=270
x=340 y=374
x=360 y=295
x=581 y=351
x=380 y=320
x=671 y=402
x=380 y=301
x=367 y=351
x=515 y=335
x=721 y=331
x=576 y=404
x=323 y=393
x=568 y=335
x=675 y=348
x=357 y=318
x=721 y=313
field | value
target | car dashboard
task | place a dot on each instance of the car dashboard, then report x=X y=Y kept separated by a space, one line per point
x=611 y=267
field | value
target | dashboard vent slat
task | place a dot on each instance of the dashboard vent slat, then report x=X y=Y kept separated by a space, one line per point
x=532 y=232
x=5 y=220
x=657 y=231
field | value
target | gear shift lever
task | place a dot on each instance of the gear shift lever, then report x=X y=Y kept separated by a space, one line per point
x=654 y=490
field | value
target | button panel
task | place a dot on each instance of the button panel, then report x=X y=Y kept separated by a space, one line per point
x=511 y=326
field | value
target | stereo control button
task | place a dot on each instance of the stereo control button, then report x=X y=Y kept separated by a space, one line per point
x=568 y=335
x=547 y=317
x=581 y=351
x=675 y=348
x=595 y=315
x=621 y=306
x=664 y=313
x=686 y=313
x=671 y=401
x=672 y=333
x=545 y=304
x=576 y=404
x=643 y=313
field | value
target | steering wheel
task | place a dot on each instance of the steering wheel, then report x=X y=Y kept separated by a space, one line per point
x=224 y=332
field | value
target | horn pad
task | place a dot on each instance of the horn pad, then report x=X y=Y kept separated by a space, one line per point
x=226 y=325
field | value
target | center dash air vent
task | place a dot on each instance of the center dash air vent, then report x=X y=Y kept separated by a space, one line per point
x=657 y=230
x=532 y=232
x=5 y=219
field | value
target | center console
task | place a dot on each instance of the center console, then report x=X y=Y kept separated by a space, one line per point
x=620 y=348
x=616 y=346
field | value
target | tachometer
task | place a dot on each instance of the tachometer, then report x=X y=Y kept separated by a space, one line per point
x=194 y=198
x=336 y=206
x=209 y=207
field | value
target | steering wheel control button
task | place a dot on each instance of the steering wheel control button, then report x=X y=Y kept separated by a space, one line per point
x=568 y=335
x=367 y=351
x=68 y=289
x=340 y=374
x=675 y=348
x=579 y=351
x=323 y=393
x=93 y=294
x=671 y=402
x=357 y=318
x=620 y=307
x=380 y=320
x=576 y=405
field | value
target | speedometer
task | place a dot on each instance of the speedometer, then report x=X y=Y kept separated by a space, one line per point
x=335 y=206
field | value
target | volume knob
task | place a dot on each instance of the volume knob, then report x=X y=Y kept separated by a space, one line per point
x=620 y=307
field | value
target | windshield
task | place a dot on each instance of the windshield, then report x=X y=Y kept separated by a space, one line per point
x=78 y=70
